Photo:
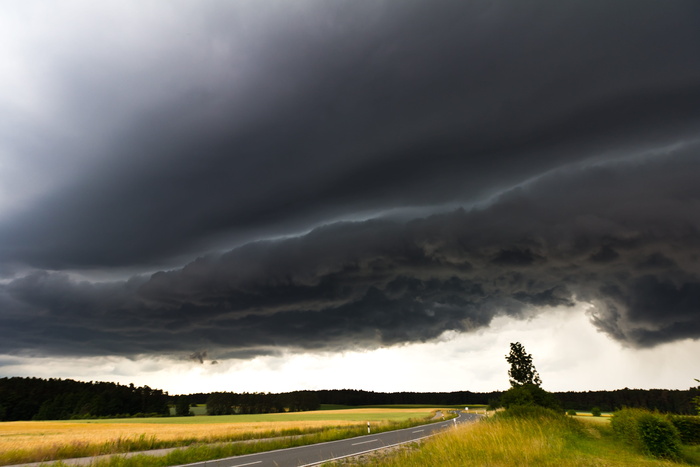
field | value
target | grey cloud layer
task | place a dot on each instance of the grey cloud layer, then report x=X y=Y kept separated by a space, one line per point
x=224 y=124
x=623 y=236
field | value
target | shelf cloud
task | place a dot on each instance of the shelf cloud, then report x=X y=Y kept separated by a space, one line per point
x=224 y=180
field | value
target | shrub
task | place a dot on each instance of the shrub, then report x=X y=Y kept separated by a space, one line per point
x=624 y=424
x=595 y=411
x=494 y=404
x=660 y=437
x=688 y=427
x=571 y=412
x=529 y=394
x=649 y=432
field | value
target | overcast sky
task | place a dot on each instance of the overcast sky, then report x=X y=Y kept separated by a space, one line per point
x=274 y=195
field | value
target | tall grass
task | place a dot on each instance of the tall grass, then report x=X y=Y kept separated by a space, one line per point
x=536 y=439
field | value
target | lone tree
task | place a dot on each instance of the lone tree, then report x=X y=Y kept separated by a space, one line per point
x=522 y=371
x=525 y=383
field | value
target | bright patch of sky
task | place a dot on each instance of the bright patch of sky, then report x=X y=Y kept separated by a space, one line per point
x=568 y=352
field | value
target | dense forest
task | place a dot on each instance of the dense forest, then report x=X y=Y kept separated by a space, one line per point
x=359 y=397
x=663 y=400
x=61 y=399
x=57 y=399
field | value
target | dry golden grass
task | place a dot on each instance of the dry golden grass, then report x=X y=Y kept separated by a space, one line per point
x=19 y=439
x=39 y=435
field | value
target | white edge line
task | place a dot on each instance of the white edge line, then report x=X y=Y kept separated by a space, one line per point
x=365 y=452
x=249 y=463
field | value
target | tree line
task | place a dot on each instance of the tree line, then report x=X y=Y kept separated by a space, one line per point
x=350 y=397
x=227 y=403
x=663 y=400
x=63 y=399
x=57 y=399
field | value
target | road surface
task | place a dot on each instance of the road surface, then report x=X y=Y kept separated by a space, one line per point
x=323 y=452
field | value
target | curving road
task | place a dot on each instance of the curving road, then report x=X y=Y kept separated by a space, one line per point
x=314 y=454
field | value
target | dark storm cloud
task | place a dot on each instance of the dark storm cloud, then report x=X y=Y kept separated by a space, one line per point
x=383 y=282
x=300 y=114
x=568 y=133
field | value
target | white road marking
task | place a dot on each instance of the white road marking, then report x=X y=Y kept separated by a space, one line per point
x=249 y=463
x=365 y=442
x=418 y=431
x=365 y=452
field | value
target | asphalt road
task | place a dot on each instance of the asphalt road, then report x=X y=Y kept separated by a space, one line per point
x=324 y=452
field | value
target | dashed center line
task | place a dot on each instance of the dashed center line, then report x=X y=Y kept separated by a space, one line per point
x=365 y=442
x=418 y=431
x=249 y=463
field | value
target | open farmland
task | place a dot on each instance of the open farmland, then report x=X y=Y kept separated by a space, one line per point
x=48 y=440
x=349 y=415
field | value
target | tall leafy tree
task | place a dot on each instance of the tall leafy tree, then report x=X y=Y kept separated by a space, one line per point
x=525 y=382
x=522 y=370
x=182 y=407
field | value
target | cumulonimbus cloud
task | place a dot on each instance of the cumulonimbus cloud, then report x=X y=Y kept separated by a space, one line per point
x=622 y=236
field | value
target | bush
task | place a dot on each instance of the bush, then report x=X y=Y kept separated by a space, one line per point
x=688 y=426
x=529 y=394
x=624 y=424
x=649 y=432
x=494 y=404
x=595 y=411
x=571 y=412
x=660 y=437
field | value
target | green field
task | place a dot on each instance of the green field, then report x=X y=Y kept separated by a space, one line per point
x=201 y=409
x=402 y=406
x=392 y=413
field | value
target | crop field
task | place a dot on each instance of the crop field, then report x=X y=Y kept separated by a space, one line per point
x=47 y=440
x=359 y=414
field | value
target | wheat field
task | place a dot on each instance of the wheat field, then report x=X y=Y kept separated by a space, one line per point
x=44 y=440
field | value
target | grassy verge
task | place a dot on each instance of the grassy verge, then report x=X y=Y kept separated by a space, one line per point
x=543 y=440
